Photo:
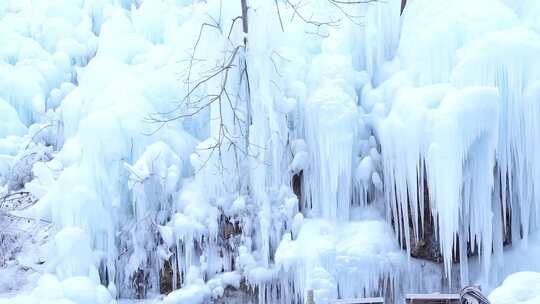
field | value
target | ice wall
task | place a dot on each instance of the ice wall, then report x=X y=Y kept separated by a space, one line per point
x=516 y=77
x=174 y=153
x=472 y=158
x=188 y=177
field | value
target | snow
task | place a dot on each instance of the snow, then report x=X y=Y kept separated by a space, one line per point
x=191 y=294
x=520 y=287
x=73 y=290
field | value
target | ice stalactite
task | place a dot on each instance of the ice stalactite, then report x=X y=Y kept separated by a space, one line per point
x=470 y=204
x=340 y=166
x=460 y=161
x=269 y=129
x=403 y=168
x=378 y=37
x=154 y=179
x=516 y=78
x=332 y=144
x=455 y=153
x=90 y=189
x=334 y=130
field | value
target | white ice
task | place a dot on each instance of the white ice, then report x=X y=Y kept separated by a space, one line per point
x=301 y=171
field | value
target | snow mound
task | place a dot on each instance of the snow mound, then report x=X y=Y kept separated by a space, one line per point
x=190 y=294
x=518 y=288
x=75 y=290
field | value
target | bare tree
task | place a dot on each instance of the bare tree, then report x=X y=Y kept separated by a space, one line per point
x=234 y=59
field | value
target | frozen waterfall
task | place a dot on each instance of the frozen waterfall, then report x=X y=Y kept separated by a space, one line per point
x=185 y=151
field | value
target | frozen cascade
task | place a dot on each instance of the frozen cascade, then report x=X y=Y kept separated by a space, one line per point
x=451 y=163
x=273 y=176
x=329 y=177
x=139 y=205
x=451 y=154
x=517 y=79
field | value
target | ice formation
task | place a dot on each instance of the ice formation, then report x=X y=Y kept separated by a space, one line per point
x=173 y=152
x=467 y=200
x=343 y=260
x=455 y=150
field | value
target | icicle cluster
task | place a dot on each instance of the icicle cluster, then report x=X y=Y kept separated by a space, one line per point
x=468 y=147
x=175 y=151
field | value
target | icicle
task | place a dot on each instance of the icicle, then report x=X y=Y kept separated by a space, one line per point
x=331 y=126
x=456 y=153
x=517 y=156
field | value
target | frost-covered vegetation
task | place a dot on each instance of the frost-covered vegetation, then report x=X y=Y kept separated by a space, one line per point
x=224 y=151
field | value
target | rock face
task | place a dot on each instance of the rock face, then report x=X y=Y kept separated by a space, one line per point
x=166 y=279
x=297 y=186
x=238 y=296
x=426 y=246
